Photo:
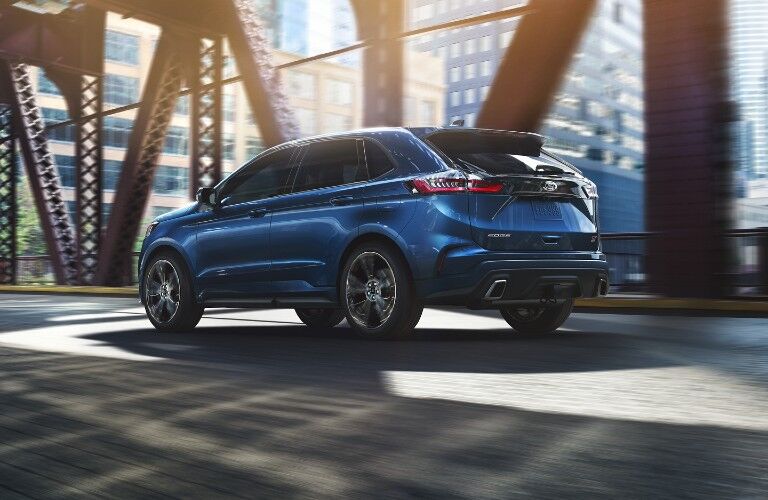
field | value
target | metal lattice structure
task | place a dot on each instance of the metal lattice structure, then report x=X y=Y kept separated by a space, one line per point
x=43 y=177
x=206 y=117
x=8 y=208
x=261 y=81
x=145 y=146
x=89 y=160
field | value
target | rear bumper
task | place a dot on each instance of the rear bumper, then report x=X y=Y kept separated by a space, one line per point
x=519 y=278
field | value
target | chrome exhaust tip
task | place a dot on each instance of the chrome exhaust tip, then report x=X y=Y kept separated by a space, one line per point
x=496 y=290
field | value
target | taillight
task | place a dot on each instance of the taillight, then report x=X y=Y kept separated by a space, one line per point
x=453 y=182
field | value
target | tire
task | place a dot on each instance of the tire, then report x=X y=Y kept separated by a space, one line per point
x=537 y=320
x=377 y=278
x=177 y=291
x=320 y=317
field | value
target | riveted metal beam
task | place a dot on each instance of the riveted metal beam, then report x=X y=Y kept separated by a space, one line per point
x=8 y=205
x=534 y=64
x=42 y=174
x=161 y=91
x=206 y=115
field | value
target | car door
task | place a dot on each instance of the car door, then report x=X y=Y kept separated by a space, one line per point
x=311 y=226
x=233 y=239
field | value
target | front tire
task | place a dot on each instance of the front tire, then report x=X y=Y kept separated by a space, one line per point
x=168 y=294
x=537 y=320
x=320 y=317
x=377 y=293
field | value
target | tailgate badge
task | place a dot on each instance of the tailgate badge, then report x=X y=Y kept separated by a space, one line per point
x=499 y=235
x=549 y=186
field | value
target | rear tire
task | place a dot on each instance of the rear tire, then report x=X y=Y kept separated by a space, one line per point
x=537 y=320
x=376 y=291
x=320 y=317
x=168 y=294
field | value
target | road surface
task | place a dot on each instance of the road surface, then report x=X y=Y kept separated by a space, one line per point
x=94 y=403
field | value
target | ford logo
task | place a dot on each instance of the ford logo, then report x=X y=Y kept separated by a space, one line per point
x=549 y=186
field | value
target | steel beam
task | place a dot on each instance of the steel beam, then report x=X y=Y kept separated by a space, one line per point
x=252 y=51
x=534 y=64
x=8 y=207
x=381 y=22
x=42 y=174
x=161 y=91
x=688 y=145
x=205 y=116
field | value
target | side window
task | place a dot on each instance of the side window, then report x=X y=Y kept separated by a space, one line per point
x=266 y=177
x=329 y=163
x=378 y=161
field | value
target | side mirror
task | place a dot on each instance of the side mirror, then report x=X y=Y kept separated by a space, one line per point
x=207 y=196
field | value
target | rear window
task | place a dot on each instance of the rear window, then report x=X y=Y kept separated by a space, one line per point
x=496 y=153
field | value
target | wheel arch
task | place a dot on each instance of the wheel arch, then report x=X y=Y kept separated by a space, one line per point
x=161 y=247
x=371 y=237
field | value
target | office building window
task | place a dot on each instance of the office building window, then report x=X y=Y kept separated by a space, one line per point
x=427 y=113
x=470 y=46
x=485 y=68
x=121 y=90
x=307 y=119
x=618 y=13
x=182 y=105
x=455 y=49
x=505 y=38
x=228 y=107
x=171 y=181
x=484 y=92
x=228 y=146
x=469 y=96
x=121 y=47
x=338 y=92
x=66 y=166
x=110 y=174
x=176 y=141
x=117 y=131
x=486 y=43
x=253 y=146
x=454 y=74
x=106 y=211
x=469 y=120
x=455 y=98
x=64 y=134
x=301 y=84
x=470 y=71
x=335 y=122
x=45 y=86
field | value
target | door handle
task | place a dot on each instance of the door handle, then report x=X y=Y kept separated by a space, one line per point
x=342 y=200
x=257 y=212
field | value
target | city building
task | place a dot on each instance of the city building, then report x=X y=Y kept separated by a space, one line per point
x=596 y=120
x=749 y=84
x=326 y=96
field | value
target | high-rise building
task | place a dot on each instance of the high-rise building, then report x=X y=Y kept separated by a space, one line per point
x=749 y=77
x=596 y=120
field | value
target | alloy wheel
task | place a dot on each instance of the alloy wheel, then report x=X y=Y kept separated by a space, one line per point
x=371 y=290
x=162 y=291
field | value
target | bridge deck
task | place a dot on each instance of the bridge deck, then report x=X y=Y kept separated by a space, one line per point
x=252 y=404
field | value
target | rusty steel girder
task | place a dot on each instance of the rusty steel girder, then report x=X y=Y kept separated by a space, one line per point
x=88 y=154
x=8 y=206
x=42 y=174
x=381 y=22
x=161 y=91
x=261 y=81
x=206 y=116
x=534 y=64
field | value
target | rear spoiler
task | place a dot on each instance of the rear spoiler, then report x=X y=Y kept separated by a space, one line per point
x=466 y=140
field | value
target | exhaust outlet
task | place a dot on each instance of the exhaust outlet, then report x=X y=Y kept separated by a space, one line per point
x=496 y=290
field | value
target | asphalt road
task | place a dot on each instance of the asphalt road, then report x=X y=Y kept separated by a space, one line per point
x=94 y=403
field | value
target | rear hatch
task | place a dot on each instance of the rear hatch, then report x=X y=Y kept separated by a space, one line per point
x=544 y=204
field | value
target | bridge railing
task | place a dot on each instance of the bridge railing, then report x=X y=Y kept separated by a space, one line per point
x=626 y=253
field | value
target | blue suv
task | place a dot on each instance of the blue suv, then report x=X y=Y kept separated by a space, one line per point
x=375 y=224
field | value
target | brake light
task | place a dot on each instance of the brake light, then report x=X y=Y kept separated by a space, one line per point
x=454 y=182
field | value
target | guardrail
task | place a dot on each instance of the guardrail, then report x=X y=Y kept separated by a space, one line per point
x=626 y=253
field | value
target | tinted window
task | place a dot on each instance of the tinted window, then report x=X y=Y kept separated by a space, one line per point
x=266 y=177
x=329 y=163
x=378 y=161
